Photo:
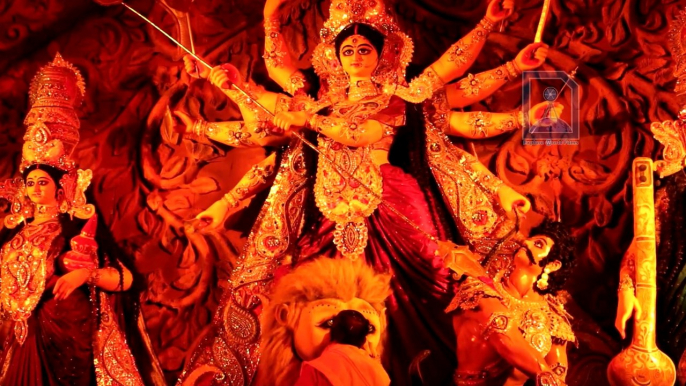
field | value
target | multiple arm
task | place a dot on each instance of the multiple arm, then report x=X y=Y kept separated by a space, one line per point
x=279 y=63
x=475 y=88
x=461 y=55
x=277 y=59
x=348 y=132
x=238 y=133
x=481 y=124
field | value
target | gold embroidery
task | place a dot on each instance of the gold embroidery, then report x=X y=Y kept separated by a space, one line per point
x=459 y=52
x=232 y=133
x=234 y=351
x=25 y=266
x=21 y=208
x=538 y=321
x=672 y=135
x=114 y=363
x=498 y=323
x=341 y=199
x=510 y=123
x=344 y=200
x=499 y=73
x=258 y=174
x=274 y=50
x=295 y=82
x=470 y=86
x=470 y=193
x=362 y=89
x=480 y=121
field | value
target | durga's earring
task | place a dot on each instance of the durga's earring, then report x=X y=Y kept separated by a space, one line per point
x=542 y=283
x=64 y=205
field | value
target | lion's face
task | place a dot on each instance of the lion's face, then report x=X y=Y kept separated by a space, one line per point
x=311 y=332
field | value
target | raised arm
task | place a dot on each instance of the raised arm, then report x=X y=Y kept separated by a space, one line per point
x=355 y=130
x=278 y=60
x=459 y=57
x=223 y=77
x=232 y=133
x=475 y=88
x=342 y=130
x=482 y=124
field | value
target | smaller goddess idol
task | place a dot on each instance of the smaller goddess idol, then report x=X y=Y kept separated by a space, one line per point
x=59 y=326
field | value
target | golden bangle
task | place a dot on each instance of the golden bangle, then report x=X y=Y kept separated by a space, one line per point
x=522 y=119
x=313 y=122
x=513 y=71
x=487 y=24
x=199 y=127
x=230 y=200
x=93 y=277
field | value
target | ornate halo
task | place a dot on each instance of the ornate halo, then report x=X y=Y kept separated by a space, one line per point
x=393 y=60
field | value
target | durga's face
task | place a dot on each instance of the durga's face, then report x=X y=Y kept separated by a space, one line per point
x=40 y=188
x=312 y=330
x=358 y=57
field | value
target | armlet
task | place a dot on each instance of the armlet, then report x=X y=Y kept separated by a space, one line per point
x=498 y=323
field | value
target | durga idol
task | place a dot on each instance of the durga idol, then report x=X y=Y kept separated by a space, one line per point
x=362 y=194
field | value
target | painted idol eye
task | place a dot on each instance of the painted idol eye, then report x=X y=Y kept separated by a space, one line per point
x=327 y=324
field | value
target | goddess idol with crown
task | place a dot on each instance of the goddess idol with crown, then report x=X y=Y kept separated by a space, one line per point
x=59 y=267
x=364 y=195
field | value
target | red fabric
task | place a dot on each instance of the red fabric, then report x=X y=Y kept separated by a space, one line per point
x=58 y=348
x=417 y=320
x=343 y=365
x=309 y=376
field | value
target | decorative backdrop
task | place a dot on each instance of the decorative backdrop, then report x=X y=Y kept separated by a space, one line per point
x=147 y=187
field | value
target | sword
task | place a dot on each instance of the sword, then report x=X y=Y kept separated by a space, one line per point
x=541 y=21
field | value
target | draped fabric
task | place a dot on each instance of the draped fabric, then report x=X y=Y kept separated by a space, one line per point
x=417 y=321
x=59 y=346
x=342 y=365
x=58 y=349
